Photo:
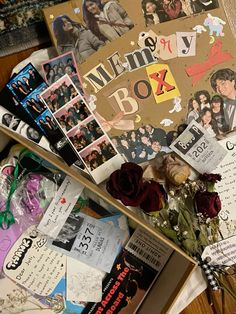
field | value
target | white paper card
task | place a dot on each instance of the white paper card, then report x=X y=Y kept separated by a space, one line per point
x=222 y=253
x=96 y=243
x=83 y=282
x=226 y=187
x=34 y=266
x=148 y=249
x=60 y=207
x=198 y=149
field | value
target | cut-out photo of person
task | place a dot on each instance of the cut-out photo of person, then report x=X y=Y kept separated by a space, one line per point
x=208 y=123
x=193 y=110
x=153 y=12
x=217 y=108
x=73 y=36
x=203 y=5
x=203 y=98
x=106 y=19
x=223 y=82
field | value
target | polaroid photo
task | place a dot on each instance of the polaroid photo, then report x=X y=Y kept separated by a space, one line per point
x=82 y=128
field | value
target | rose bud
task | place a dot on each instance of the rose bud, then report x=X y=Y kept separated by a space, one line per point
x=126 y=184
x=155 y=198
x=208 y=203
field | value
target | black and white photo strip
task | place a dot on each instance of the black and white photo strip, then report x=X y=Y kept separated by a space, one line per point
x=8 y=120
x=54 y=69
x=27 y=86
x=85 y=133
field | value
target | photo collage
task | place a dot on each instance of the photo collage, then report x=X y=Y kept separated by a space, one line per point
x=103 y=21
x=26 y=86
x=80 y=126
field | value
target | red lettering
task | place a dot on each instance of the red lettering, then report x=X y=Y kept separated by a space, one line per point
x=160 y=78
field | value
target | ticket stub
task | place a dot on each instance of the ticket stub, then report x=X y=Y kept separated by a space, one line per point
x=198 y=148
x=96 y=243
x=149 y=249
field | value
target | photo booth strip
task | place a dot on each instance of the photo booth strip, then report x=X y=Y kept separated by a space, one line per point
x=26 y=86
x=81 y=127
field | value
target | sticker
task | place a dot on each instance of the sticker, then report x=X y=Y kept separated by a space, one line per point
x=83 y=282
x=221 y=253
x=166 y=122
x=199 y=29
x=96 y=243
x=186 y=44
x=198 y=149
x=162 y=82
x=215 y=25
x=148 y=249
x=177 y=105
x=168 y=47
x=215 y=56
x=60 y=207
x=34 y=266
x=226 y=187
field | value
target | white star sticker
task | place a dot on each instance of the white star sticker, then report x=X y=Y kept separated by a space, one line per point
x=132 y=43
x=51 y=16
x=85 y=85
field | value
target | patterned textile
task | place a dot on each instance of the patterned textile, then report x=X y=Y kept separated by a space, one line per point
x=22 y=25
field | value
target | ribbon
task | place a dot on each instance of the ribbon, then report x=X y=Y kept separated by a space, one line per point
x=6 y=217
x=215 y=56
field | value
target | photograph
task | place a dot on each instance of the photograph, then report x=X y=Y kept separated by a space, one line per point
x=10 y=121
x=55 y=68
x=72 y=114
x=103 y=22
x=159 y=11
x=142 y=144
x=47 y=123
x=59 y=94
x=215 y=110
x=86 y=133
x=67 y=235
x=25 y=82
x=98 y=153
x=33 y=104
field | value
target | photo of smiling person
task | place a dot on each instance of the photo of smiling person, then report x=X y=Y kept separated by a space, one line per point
x=223 y=82
x=73 y=36
x=106 y=19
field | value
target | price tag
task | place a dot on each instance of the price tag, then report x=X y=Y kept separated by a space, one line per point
x=198 y=149
x=96 y=243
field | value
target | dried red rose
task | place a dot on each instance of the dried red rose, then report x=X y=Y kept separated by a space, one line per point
x=155 y=197
x=208 y=203
x=126 y=184
x=210 y=177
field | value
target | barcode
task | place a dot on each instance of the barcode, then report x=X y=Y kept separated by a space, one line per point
x=151 y=259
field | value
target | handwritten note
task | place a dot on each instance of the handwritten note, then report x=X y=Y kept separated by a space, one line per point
x=34 y=266
x=226 y=187
x=84 y=283
x=60 y=207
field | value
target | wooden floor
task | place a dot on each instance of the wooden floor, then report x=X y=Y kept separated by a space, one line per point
x=200 y=305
